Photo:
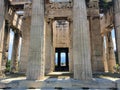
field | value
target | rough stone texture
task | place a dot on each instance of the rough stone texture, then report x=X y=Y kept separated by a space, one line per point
x=117 y=25
x=42 y=46
x=81 y=42
x=36 y=67
x=2 y=24
x=61 y=35
x=25 y=45
x=48 y=47
x=95 y=36
x=111 y=61
x=55 y=83
x=5 y=45
x=71 y=62
x=104 y=57
x=96 y=44
x=14 y=61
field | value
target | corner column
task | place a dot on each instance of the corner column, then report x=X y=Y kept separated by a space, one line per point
x=36 y=61
x=81 y=42
x=2 y=26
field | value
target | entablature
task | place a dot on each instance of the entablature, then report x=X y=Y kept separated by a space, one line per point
x=58 y=9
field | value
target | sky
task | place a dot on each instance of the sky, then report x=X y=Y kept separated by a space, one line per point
x=11 y=45
x=113 y=37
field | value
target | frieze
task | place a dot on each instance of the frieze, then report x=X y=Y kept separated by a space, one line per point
x=59 y=5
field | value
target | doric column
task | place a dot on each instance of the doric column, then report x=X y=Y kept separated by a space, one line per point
x=117 y=25
x=81 y=42
x=53 y=59
x=95 y=36
x=110 y=52
x=25 y=45
x=36 y=66
x=14 y=61
x=2 y=25
x=5 y=45
x=48 y=47
x=71 y=63
x=105 y=56
x=96 y=44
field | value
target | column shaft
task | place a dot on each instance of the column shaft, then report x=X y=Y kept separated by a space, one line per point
x=2 y=25
x=81 y=42
x=117 y=25
x=25 y=45
x=48 y=47
x=105 y=57
x=110 y=53
x=14 y=61
x=71 y=63
x=36 y=66
x=6 y=45
x=96 y=44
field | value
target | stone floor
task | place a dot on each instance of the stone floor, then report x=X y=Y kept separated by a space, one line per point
x=61 y=81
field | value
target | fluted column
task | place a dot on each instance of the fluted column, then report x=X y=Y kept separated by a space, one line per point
x=117 y=25
x=5 y=45
x=96 y=44
x=81 y=42
x=25 y=45
x=71 y=63
x=105 y=56
x=110 y=53
x=48 y=47
x=2 y=25
x=36 y=67
x=14 y=61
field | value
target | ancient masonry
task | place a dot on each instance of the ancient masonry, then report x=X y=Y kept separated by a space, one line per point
x=79 y=29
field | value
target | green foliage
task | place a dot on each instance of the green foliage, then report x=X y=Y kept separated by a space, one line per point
x=8 y=65
x=105 y=5
x=117 y=68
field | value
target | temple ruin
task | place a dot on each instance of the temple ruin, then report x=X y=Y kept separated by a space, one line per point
x=80 y=31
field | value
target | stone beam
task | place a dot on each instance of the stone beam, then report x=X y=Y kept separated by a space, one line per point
x=81 y=42
x=36 y=67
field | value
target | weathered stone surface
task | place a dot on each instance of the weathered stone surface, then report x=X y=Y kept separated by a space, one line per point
x=117 y=25
x=54 y=83
x=5 y=45
x=111 y=61
x=14 y=61
x=48 y=47
x=35 y=68
x=81 y=42
x=25 y=45
x=2 y=25
x=74 y=36
x=96 y=47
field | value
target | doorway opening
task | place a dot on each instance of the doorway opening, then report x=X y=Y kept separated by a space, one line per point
x=61 y=59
